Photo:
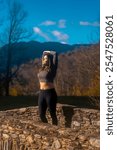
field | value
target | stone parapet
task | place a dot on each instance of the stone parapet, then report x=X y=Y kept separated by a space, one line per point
x=78 y=129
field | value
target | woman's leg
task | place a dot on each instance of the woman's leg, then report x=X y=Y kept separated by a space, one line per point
x=42 y=107
x=51 y=99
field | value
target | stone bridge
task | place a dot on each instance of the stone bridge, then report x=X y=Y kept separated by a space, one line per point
x=78 y=129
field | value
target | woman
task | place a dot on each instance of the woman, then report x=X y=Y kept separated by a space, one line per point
x=47 y=95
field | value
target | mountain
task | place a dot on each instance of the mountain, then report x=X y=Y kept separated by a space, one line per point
x=23 y=52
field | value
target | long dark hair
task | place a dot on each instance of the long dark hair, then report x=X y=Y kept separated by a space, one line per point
x=46 y=67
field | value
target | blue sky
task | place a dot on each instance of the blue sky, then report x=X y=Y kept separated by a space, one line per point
x=65 y=21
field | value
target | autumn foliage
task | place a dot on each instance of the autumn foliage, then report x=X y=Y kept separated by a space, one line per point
x=78 y=74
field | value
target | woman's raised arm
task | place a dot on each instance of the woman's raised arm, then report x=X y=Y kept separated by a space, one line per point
x=55 y=57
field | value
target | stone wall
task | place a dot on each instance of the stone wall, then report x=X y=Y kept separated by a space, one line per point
x=78 y=129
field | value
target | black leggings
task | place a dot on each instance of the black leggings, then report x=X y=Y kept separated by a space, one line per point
x=48 y=98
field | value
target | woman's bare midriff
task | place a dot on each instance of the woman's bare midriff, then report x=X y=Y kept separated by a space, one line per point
x=46 y=85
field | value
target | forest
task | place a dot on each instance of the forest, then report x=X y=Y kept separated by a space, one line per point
x=78 y=74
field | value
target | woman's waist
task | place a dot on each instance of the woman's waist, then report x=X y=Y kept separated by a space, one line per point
x=46 y=85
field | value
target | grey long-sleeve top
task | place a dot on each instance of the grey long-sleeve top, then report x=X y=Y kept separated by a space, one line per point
x=48 y=76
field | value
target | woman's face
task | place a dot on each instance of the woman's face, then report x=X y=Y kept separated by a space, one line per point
x=45 y=60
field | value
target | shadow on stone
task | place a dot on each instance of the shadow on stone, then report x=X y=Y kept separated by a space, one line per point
x=68 y=112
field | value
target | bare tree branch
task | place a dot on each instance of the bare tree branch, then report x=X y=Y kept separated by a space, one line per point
x=14 y=32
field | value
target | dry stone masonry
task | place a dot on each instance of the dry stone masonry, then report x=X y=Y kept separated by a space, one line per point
x=78 y=129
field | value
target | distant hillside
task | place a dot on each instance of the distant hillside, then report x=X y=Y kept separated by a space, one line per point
x=78 y=74
x=23 y=52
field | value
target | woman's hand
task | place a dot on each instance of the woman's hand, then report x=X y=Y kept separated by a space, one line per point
x=46 y=52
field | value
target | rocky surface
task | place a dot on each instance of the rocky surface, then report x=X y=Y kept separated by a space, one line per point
x=78 y=129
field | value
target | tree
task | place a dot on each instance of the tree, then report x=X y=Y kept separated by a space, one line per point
x=13 y=33
x=0 y=13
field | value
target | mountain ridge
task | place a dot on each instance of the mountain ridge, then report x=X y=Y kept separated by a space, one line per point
x=23 y=52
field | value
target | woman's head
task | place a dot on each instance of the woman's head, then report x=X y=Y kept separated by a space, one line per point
x=45 y=60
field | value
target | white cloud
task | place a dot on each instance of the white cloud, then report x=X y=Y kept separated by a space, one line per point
x=86 y=23
x=48 y=23
x=62 y=23
x=96 y=24
x=38 y=31
x=60 y=36
x=63 y=42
